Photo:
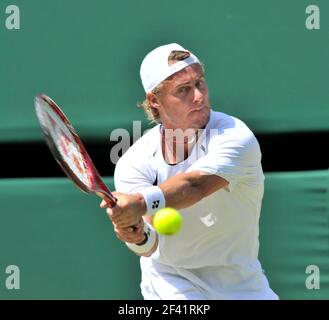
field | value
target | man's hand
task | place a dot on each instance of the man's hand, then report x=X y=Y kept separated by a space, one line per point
x=131 y=235
x=127 y=212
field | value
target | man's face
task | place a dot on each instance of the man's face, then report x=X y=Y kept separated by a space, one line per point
x=183 y=101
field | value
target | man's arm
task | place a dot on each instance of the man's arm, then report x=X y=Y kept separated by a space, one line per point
x=180 y=191
x=185 y=189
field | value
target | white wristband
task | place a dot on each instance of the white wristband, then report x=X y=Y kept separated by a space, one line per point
x=147 y=245
x=154 y=199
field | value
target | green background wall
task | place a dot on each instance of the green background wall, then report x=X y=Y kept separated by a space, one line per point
x=294 y=233
x=262 y=64
x=65 y=246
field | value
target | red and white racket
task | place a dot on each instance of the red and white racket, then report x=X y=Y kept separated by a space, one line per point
x=68 y=149
x=70 y=153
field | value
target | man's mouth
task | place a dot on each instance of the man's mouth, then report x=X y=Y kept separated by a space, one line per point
x=199 y=108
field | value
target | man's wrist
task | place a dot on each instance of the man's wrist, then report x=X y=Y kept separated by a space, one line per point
x=141 y=202
x=154 y=199
x=148 y=245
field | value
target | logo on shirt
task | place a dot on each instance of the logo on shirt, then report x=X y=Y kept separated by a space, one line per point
x=209 y=220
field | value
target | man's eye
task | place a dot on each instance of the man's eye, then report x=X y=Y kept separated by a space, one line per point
x=183 y=89
x=200 y=83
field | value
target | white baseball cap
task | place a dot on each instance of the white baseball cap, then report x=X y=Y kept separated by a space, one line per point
x=154 y=68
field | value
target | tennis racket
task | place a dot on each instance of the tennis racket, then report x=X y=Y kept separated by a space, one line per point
x=68 y=149
x=70 y=153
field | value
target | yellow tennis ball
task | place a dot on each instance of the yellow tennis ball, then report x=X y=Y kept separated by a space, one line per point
x=167 y=221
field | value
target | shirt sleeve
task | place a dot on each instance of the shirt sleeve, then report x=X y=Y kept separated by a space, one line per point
x=132 y=175
x=232 y=157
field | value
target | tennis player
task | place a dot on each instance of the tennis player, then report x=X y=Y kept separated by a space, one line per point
x=207 y=164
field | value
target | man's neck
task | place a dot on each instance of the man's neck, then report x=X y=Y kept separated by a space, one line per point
x=177 y=145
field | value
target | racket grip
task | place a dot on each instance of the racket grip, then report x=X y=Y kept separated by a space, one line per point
x=108 y=198
x=111 y=201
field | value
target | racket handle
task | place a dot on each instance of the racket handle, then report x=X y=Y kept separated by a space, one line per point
x=111 y=201
x=108 y=198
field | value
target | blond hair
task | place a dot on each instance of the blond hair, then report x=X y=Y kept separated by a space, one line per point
x=152 y=114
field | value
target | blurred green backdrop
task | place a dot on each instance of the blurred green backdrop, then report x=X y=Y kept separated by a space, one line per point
x=262 y=64
x=65 y=247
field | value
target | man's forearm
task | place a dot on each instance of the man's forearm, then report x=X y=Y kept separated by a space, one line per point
x=186 y=189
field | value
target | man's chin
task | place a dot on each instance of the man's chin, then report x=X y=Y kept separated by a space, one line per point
x=200 y=118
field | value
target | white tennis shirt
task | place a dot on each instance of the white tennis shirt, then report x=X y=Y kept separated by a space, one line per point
x=217 y=246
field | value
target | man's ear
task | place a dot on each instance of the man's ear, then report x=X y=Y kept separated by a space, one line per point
x=153 y=100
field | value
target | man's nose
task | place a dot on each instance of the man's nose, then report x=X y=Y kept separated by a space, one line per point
x=198 y=95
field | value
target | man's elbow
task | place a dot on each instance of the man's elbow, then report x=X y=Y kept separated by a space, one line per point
x=210 y=184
